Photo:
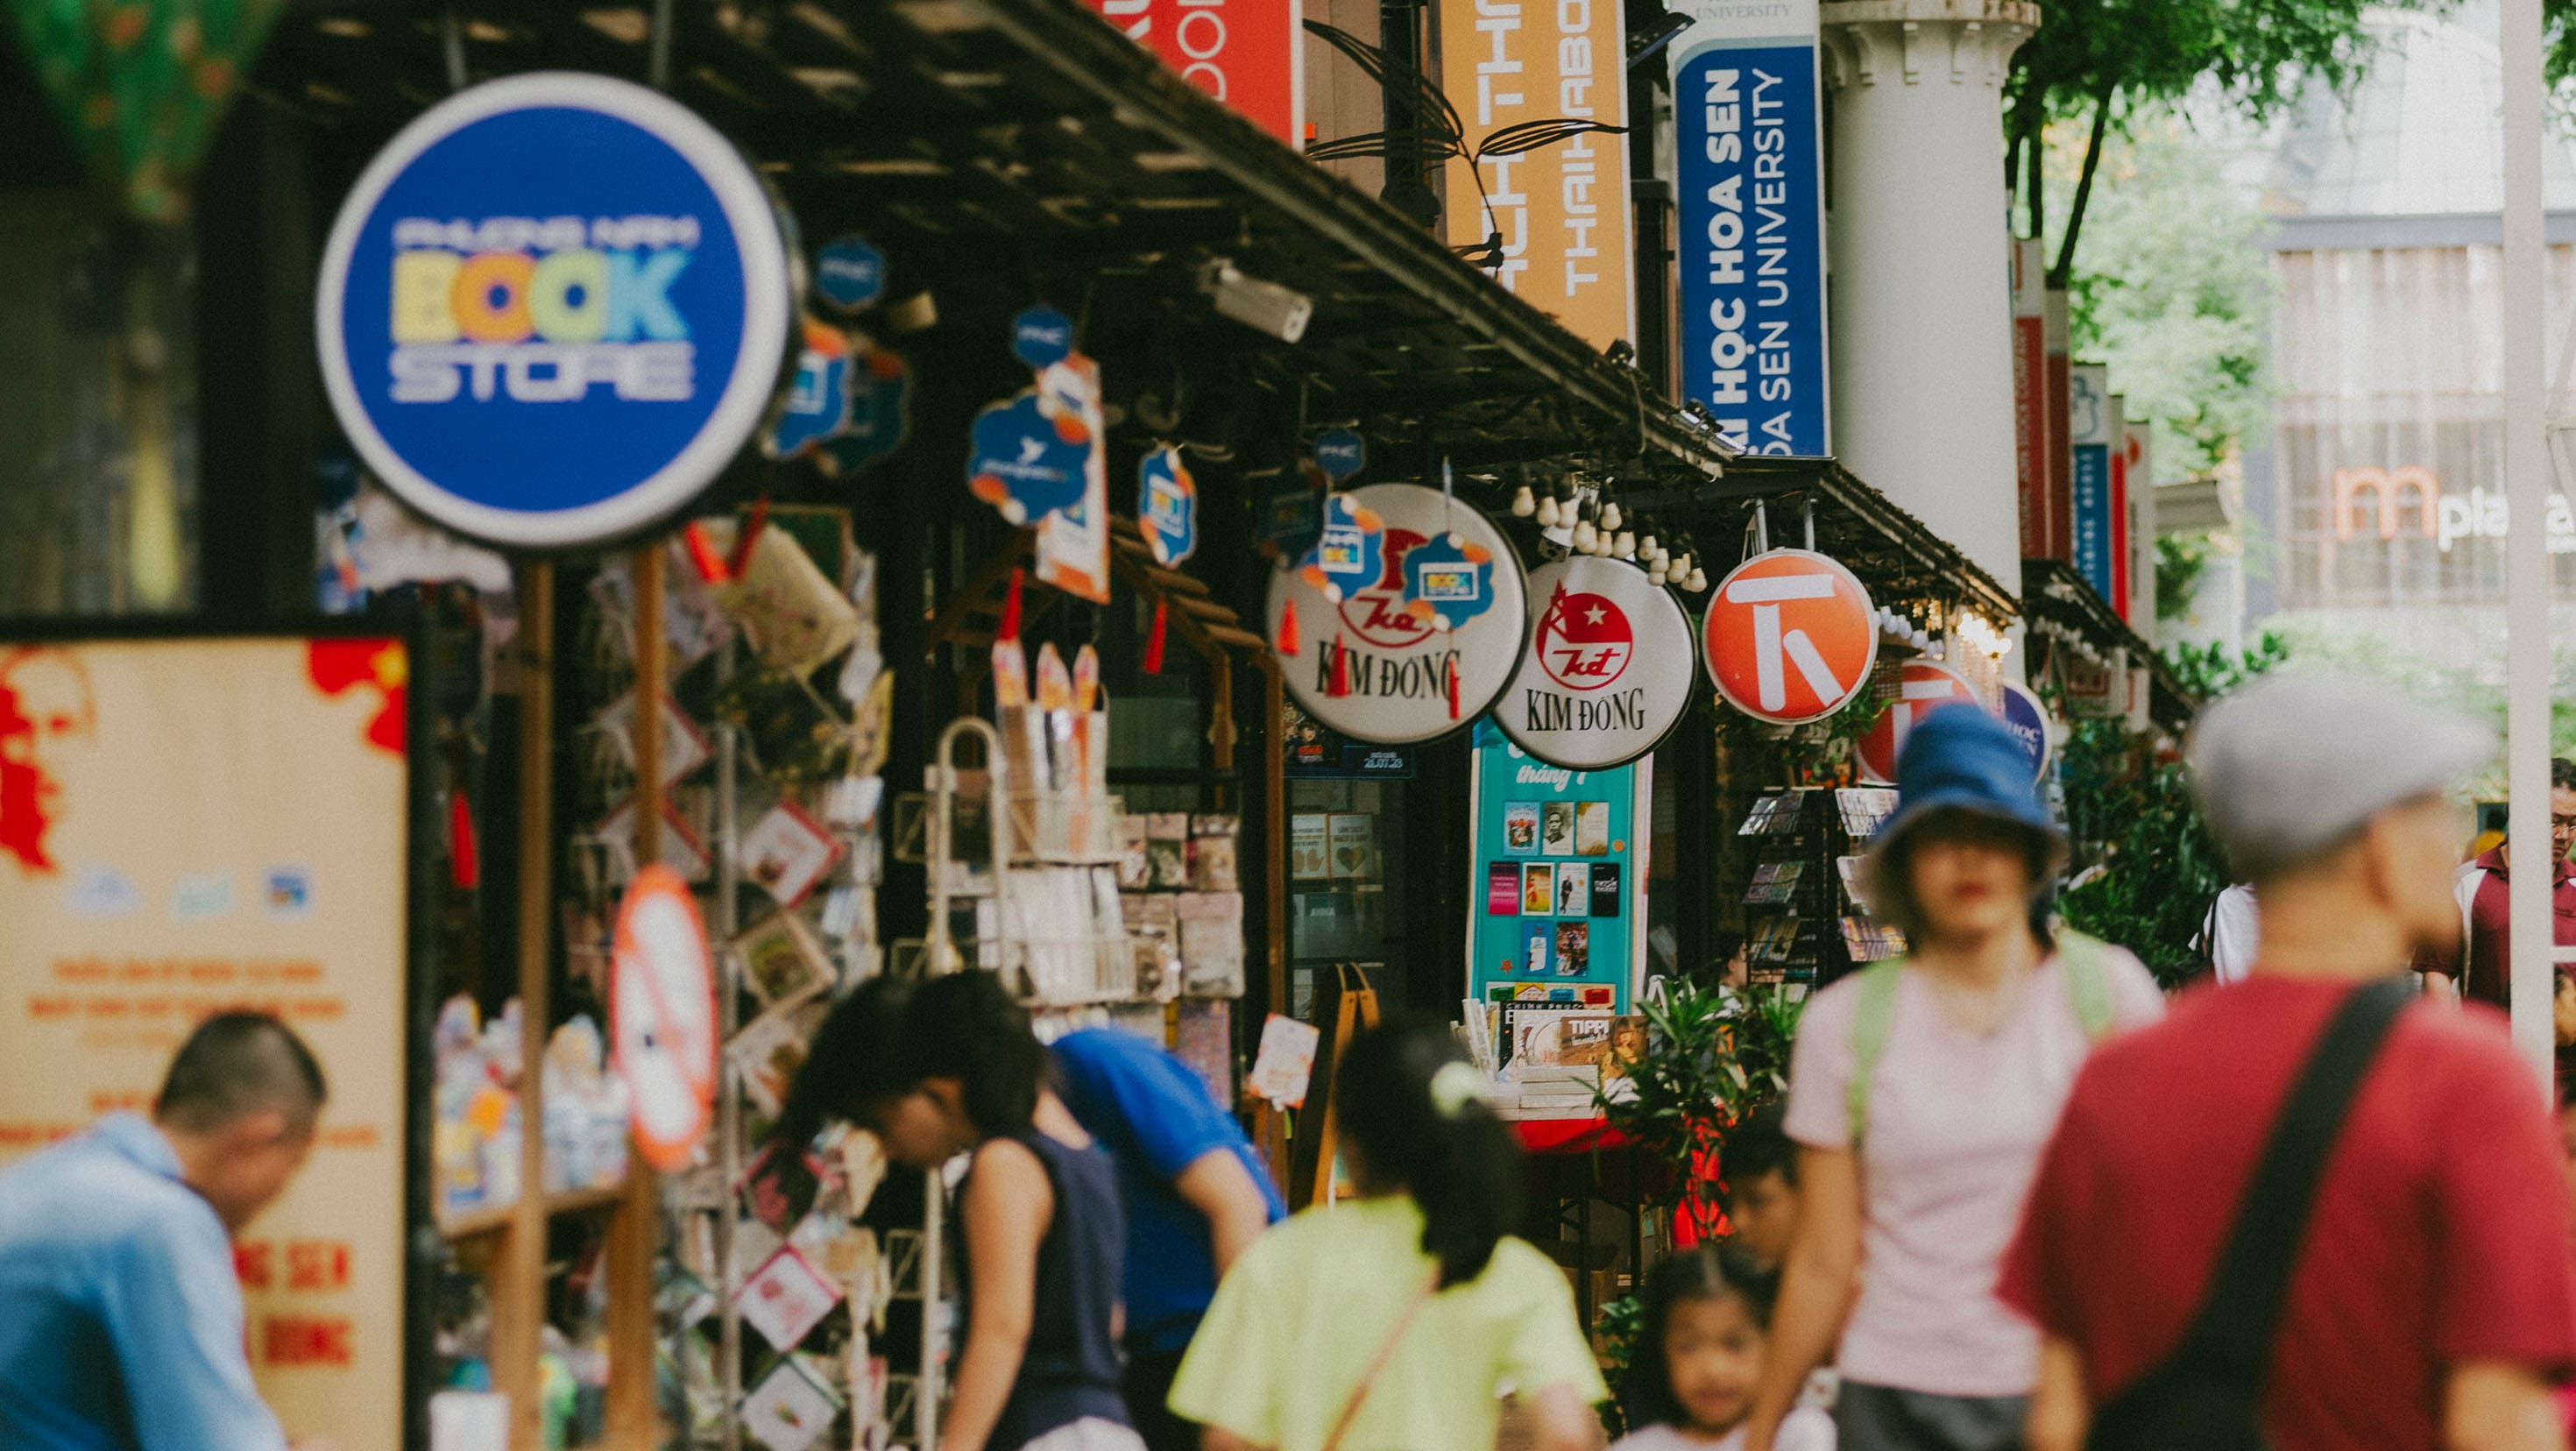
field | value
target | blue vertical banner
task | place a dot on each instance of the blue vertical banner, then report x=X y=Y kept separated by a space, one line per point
x=2089 y=428
x=1749 y=146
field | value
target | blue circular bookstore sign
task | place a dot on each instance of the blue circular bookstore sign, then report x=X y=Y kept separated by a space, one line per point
x=553 y=309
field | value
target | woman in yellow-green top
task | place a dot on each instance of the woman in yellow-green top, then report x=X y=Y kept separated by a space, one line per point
x=1395 y=1321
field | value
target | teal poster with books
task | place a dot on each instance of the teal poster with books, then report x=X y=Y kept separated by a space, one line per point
x=1560 y=859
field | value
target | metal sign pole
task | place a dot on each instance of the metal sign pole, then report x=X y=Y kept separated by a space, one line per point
x=2527 y=565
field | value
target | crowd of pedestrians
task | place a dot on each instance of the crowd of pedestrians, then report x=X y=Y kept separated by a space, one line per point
x=2011 y=1199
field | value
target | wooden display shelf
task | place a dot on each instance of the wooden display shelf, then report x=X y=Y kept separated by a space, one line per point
x=499 y=1216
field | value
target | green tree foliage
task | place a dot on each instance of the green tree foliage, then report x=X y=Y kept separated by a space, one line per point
x=2175 y=291
x=2103 y=60
x=2132 y=809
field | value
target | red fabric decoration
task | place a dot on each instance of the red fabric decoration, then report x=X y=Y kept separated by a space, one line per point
x=1289 y=644
x=463 y=863
x=1453 y=690
x=1154 y=643
x=1341 y=685
x=750 y=536
x=709 y=564
x=1010 y=627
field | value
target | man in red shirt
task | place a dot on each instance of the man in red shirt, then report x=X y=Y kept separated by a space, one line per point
x=2432 y=1300
x=2484 y=897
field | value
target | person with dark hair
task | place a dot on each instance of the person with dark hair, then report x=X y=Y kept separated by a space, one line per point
x=1197 y=1196
x=947 y=1066
x=123 y=1325
x=1761 y=1168
x=2480 y=967
x=1920 y=1093
x=1704 y=1329
x=2310 y=1211
x=1391 y=1322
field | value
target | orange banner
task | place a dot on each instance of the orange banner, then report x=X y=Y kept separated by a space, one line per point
x=1560 y=209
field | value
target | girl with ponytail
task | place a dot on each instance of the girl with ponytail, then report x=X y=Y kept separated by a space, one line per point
x=944 y=1066
x=1391 y=1322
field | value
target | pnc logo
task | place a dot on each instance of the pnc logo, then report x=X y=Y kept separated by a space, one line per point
x=542 y=310
x=1584 y=641
x=1377 y=614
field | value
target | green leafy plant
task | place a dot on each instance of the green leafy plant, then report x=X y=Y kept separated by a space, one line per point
x=1711 y=1054
x=2132 y=812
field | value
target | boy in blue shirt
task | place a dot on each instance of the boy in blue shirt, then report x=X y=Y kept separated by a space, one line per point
x=1197 y=1196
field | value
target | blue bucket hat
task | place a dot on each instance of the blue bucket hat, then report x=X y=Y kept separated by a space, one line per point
x=1959 y=758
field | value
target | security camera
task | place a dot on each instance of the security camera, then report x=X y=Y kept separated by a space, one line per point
x=1262 y=306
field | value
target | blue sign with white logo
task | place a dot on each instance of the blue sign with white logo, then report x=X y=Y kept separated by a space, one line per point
x=1042 y=336
x=850 y=273
x=1167 y=506
x=2027 y=719
x=1752 y=236
x=1340 y=453
x=553 y=309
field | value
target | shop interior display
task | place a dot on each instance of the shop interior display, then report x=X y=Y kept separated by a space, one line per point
x=1807 y=920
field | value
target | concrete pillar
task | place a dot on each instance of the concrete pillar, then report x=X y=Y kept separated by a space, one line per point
x=1919 y=241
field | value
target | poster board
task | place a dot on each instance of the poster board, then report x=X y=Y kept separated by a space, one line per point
x=1548 y=830
x=189 y=825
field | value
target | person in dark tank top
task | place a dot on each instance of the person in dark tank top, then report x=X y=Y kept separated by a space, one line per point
x=946 y=1066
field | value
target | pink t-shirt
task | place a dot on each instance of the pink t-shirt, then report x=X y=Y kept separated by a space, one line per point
x=1956 y=1123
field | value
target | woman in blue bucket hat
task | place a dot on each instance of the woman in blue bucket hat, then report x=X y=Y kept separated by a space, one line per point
x=1921 y=1092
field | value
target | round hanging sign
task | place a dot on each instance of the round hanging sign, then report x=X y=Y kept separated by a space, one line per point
x=1608 y=670
x=662 y=1016
x=1922 y=687
x=1790 y=637
x=2026 y=716
x=553 y=309
x=1423 y=648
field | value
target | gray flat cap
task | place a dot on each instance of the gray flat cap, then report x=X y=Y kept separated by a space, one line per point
x=2293 y=765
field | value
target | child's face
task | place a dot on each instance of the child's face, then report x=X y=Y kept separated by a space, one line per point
x=2562 y=1008
x=1765 y=1212
x=1713 y=1353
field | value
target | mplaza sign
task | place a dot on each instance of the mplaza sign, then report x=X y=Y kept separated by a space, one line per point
x=2408 y=499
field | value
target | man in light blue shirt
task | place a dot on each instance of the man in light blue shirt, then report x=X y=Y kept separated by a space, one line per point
x=121 y=1325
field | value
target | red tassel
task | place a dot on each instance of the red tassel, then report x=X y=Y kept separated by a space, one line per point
x=1453 y=690
x=1154 y=643
x=751 y=528
x=703 y=556
x=1010 y=628
x=464 y=867
x=1341 y=685
x=1289 y=644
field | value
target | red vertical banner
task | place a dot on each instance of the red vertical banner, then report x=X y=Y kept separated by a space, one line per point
x=2032 y=418
x=2142 y=528
x=2120 y=562
x=2057 y=366
x=1250 y=54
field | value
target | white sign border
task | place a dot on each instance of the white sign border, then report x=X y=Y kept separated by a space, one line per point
x=1691 y=649
x=768 y=307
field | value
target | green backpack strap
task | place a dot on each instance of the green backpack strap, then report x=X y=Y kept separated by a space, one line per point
x=2088 y=982
x=1875 y=1011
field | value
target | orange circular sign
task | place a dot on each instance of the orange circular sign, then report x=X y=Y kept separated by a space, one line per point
x=662 y=1016
x=1790 y=636
x=1922 y=687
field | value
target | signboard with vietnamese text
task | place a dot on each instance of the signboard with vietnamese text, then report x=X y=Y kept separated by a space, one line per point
x=1250 y=54
x=1748 y=144
x=1560 y=209
x=2089 y=429
x=194 y=825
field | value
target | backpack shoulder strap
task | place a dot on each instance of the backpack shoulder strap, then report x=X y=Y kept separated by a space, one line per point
x=2087 y=961
x=1876 y=1009
x=2230 y=1339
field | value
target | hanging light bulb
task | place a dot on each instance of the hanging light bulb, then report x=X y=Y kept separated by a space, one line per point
x=1610 y=515
x=1698 y=581
x=1523 y=505
x=1678 y=566
x=1626 y=547
x=1585 y=535
x=1647 y=548
x=1655 y=574
x=1549 y=512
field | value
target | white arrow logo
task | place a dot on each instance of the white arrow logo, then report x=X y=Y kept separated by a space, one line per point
x=1772 y=648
